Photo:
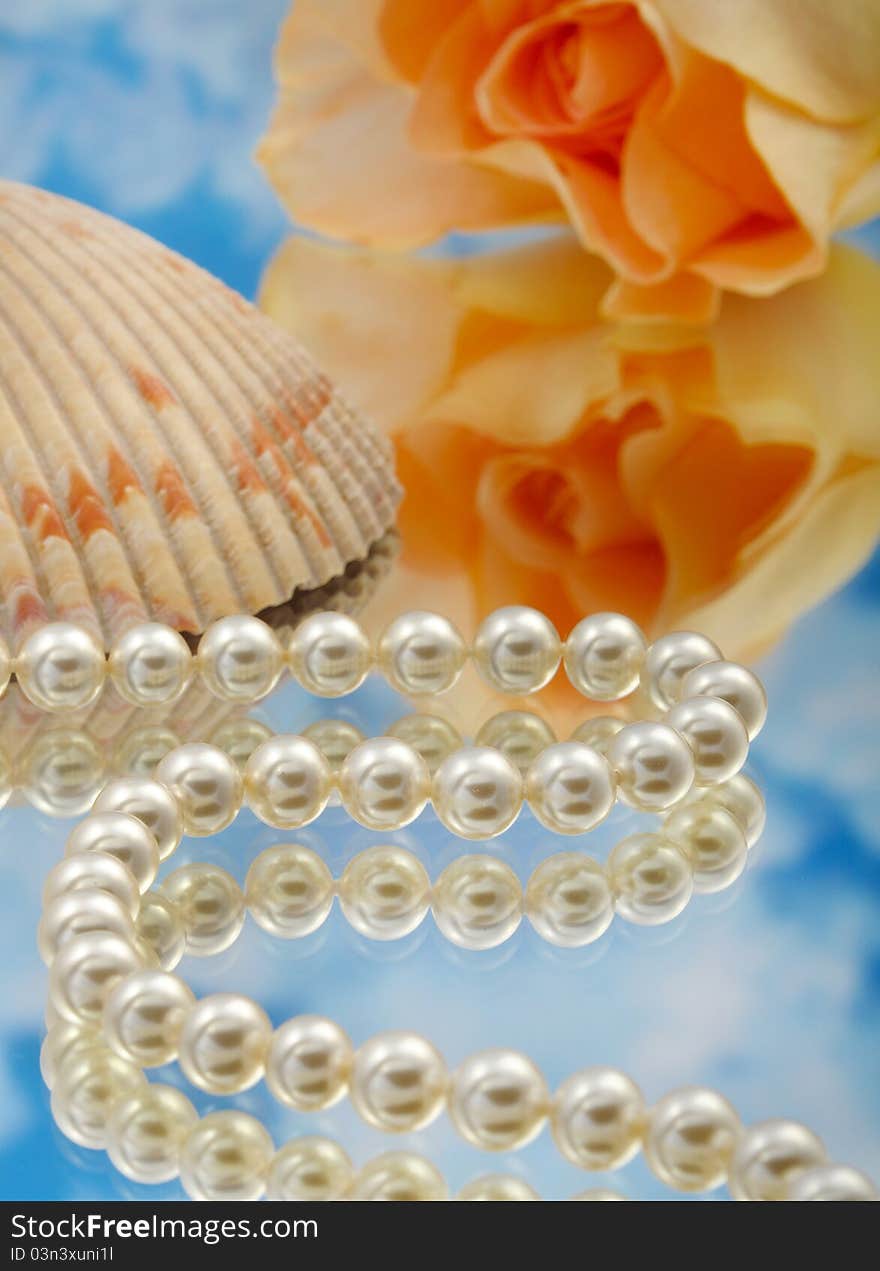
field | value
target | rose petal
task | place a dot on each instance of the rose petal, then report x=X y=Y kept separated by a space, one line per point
x=684 y=298
x=339 y=157
x=384 y=325
x=821 y=55
x=723 y=477
x=409 y=32
x=592 y=200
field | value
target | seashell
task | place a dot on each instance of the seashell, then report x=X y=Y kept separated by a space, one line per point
x=168 y=452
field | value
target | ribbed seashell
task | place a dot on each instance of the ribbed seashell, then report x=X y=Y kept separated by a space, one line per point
x=168 y=452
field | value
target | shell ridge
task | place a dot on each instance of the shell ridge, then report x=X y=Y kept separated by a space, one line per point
x=39 y=340
x=321 y=490
x=360 y=444
x=353 y=439
x=171 y=478
x=277 y=353
x=317 y=483
x=116 y=439
x=176 y=442
x=52 y=550
x=367 y=528
x=268 y=526
x=281 y=481
x=23 y=595
x=163 y=404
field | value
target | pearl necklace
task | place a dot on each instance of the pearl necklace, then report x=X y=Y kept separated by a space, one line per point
x=106 y=942
x=60 y=770
x=384 y=783
x=692 y=1139
x=385 y=892
x=516 y=649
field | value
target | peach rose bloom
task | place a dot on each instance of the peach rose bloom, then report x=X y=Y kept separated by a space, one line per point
x=696 y=145
x=723 y=478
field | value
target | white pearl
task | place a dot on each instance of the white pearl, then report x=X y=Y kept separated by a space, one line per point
x=713 y=841
x=226 y=1156
x=61 y=667
x=385 y=892
x=223 y=1043
x=517 y=649
x=84 y=971
x=498 y=1100
x=87 y=1091
x=421 y=652
x=308 y=1066
x=150 y=665
x=570 y=787
x=498 y=1187
x=329 y=654
x=741 y=798
x=91 y=870
x=120 y=835
x=80 y=911
x=520 y=736
x=206 y=784
x=770 y=1156
x=690 y=1139
x=569 y=900
x=477 y=793
x=289 y=891
x=668 y=661
x=61 y=772
x=604 y=655
x=597 y=1193
x=62 y=1043
x=598 y=732
x=150 y=803
x=141 y=750
x=400 y=1176
x=160 y=926
x=651 y=877
x=715 y=733
x=143 y=1017
x=384 y=784
x=240 y=658
x=654 y=765
x=146 y=1132
x=734 y=684
x=335 y=738
x=832 y=1182
x=238 y=738
x=477 y=902
x=210 y=904
x=398 y=1082
x=287 y=782
x=598 y=1118
x=310 y=1168
x=430 y=736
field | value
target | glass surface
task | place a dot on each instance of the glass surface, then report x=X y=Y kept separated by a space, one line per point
x=769 y=991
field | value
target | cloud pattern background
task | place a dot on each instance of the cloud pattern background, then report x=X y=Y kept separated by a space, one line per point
x=150 y=109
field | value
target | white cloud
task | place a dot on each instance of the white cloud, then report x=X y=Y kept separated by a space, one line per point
x=183 y=93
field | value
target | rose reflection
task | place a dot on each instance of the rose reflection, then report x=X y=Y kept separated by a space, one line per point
x=714 y=479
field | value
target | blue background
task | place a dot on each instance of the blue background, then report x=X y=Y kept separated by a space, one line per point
x=771 y=991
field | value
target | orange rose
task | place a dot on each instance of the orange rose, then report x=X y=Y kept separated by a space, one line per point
x=723 y=478
x=695 y=145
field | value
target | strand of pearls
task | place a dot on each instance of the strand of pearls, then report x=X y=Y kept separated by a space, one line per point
x=239 y=658
x=385 y=892
x=477 y=791
x=61 y=769
x=497 y=1100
